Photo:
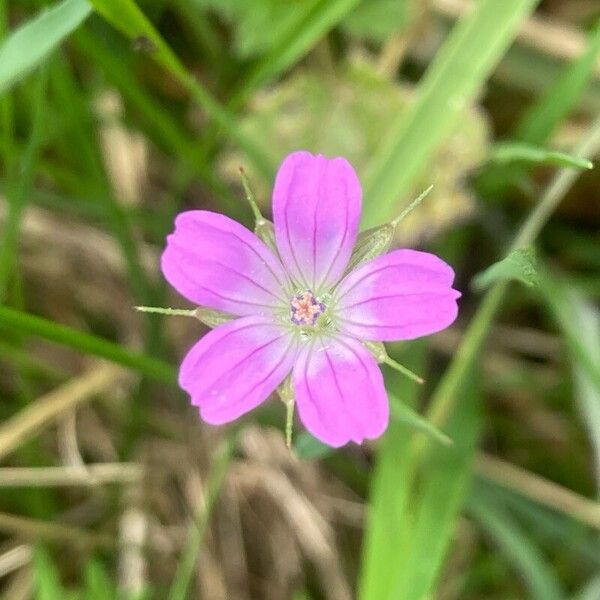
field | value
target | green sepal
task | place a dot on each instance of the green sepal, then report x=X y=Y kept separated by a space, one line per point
x=370 y=244
x=377 y=241
x=263 y=228
x=286 y=393
x=212 y=318
x=377 y=349
x=208 y=316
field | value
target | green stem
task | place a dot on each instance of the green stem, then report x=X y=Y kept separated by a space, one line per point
x=445 y=395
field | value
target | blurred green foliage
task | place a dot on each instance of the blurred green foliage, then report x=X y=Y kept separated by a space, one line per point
x=204 y=86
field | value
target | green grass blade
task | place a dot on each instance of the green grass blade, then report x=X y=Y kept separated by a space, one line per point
x=580 y=325
x=402 y=412
x=387 y=522
x=541 y=120
x=446 y=393
x=517 y=547
x=98 y=585
x=509 y=152
x=25 y=323
x=47 y=580
x=448 y=469
x=27 y=47
x=193 y=546
x=166 y=131
x=292 y=41
x=461 y=67
x=125 y=16
x=18 y=195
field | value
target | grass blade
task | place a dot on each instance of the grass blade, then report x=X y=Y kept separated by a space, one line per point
x=538 y=124
x=294 y=40
x=19 y=195
x=580 y=325
x=25 y=323
x=508 y=152
x=27 y=47
x=185 y=569
x=125 y=16
x=383 y=544
x=47 y=580
x=517 y=547
x=461 y=67
x=446 y=393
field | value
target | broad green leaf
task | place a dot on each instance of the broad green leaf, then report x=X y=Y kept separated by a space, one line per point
x=517 y=548
x=459 y=70
x=519 y=265
x=508 y=152
x=26 y=48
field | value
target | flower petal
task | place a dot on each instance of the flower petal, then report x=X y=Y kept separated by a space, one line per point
x=399 y=296
x=339 y=391
x=216 y=262
x=316 y=210
x=236 y=366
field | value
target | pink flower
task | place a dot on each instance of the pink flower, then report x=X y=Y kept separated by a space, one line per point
x=298 y=310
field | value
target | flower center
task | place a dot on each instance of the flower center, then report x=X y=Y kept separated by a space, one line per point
x=305 y=309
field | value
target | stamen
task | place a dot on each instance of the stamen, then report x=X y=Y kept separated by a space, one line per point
x=305 y=309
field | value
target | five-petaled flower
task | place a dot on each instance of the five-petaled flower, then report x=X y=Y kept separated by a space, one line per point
x=298 y=310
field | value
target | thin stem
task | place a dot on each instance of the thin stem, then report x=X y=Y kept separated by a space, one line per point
x=290 y=405
x=402 y=369
x=446 y=393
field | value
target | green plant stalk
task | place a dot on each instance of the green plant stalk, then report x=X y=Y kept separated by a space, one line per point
x=25 y=323
x=193 y=546
x=445 y=396
x=463 y=64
